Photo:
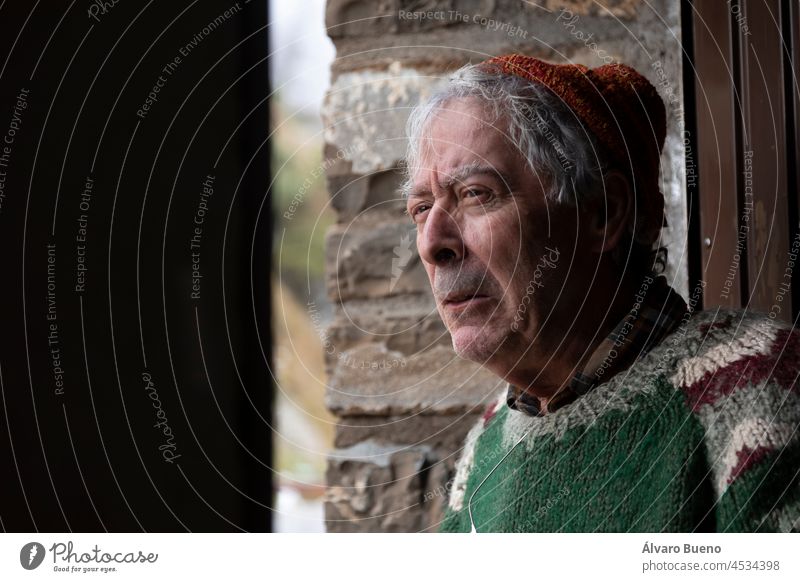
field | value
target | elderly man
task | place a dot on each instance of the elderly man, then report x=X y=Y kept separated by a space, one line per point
x=535 y=192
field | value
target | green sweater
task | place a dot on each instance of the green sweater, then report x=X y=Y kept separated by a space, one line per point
x=700 y=434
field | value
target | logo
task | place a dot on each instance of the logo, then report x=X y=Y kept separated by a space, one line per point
x=402 y=255
x=31 y=555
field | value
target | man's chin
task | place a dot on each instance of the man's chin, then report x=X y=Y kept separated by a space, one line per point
x=475 y=343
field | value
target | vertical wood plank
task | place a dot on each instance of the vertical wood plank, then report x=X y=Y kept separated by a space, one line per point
x=715 y=93
x=765 y=211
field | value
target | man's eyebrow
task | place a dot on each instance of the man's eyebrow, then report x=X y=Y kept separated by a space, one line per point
x=463 y=172
x=459 y=175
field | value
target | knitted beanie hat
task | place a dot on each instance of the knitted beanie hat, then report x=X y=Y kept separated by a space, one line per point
x=623 y=111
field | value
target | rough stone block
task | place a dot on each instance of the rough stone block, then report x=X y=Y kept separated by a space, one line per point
x=626 y=9
x=376 y=195
x=384 y=488
x=443 y=432
x=404 y=323
x=356 y=18
x=432 y=382
x=368 y=260
x=365 y=113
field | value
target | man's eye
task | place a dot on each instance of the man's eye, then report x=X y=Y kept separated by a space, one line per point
x=472 y=192
x=419 y=209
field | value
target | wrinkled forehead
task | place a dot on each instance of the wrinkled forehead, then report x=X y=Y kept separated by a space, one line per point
x=461 y=131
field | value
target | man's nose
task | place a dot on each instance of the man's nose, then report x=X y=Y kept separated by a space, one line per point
x=442 y=239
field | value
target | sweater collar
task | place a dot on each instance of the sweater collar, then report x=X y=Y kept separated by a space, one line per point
x=657 y=311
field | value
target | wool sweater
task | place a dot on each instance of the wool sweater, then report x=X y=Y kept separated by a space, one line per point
x=702 y=433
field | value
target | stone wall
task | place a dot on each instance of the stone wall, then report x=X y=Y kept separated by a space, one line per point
x=403 y=399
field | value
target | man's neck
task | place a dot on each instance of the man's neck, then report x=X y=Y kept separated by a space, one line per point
x=544 y=372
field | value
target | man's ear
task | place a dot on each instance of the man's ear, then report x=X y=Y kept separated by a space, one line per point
x=610 y=212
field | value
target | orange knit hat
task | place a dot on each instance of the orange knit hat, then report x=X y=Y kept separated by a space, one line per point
x=623 y=111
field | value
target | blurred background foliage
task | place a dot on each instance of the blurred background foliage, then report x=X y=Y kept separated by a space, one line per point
x=301 y=57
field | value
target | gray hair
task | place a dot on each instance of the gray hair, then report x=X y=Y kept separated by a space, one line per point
x=548 y=134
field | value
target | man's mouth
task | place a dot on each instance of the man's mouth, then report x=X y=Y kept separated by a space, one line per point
x=461 y=299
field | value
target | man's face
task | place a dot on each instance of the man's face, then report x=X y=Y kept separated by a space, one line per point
x=486 y=229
